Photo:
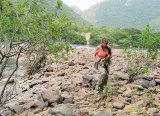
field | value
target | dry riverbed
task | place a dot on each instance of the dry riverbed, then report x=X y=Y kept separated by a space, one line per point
x=67 y=89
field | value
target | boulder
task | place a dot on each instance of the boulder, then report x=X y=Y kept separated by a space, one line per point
x=49 y=69
x=145 y=84
x=69 y=100
x=18 y=109
x=118 y=68
x=71 y=64
x=153 y=110
x=51 y=96
x=87 y=79
x=65 y=109
x=118 y=105
x=43 y=105
x=33 y=84
x=103 y=113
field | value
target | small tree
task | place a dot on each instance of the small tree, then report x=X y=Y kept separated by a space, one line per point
x=25 y=28
x=141 y=51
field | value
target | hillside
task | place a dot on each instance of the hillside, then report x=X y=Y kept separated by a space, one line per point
x=76 y=9
x=124 y=13
x=50 y=6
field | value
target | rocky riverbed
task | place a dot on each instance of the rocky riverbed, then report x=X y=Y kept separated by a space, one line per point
x=67 y=89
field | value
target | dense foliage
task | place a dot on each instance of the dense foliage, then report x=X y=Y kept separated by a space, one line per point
x=26 y=28
x=74 y=38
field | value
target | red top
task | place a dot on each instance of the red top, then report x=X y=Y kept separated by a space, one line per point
x=102 y=53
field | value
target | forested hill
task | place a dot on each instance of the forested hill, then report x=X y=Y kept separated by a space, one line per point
x=124 y=13
x=50 y=6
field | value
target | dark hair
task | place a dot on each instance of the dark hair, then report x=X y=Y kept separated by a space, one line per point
x=104 y=40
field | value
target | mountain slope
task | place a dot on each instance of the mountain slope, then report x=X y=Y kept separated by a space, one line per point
x=124 y=13
x=50 y=6
x=76 y=9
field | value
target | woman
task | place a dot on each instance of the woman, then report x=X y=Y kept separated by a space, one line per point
x=102 y=58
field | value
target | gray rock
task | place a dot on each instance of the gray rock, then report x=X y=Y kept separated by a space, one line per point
x=43 y=105
x=145 y=84
x=127 y=70
x=143 y=77
x=87 y=79
x=71 y=64
x=152 y=83
x=65 y=109
x=33 y=84
x=103 y=113
x=69 y=100
x=7 y=112
x=118 y=68
x=153 y=110
x=18 y=109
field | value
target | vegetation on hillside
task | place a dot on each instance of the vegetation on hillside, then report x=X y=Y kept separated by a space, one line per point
x=124 y=13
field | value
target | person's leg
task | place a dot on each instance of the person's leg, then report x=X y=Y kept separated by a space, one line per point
x=102 y=77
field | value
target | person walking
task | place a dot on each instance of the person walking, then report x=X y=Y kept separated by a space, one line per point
x=102 y=58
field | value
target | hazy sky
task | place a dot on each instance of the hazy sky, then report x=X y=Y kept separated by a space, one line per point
x=81 y=4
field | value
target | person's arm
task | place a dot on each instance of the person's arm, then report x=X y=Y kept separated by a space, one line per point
x=95 y=53
x=110 y=56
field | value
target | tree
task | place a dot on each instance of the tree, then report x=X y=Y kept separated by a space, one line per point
x=25 y=28
x=142 y=51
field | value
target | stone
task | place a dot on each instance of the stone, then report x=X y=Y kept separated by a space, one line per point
x=152 y=83
x=122 y=76
x=10 y=81
x=48 y=74
x=145 y=84
x=127 y=70
x=24 y=113
x=81 y=93
x=118 y=105
x=71 y=64
x=81 y=112
x=33 y=84
x=37 y=110
x=61 y=74
x=153 y=110
x=51 y=96
x=32 y=104
x=43 y=105
x=157 y=98
x=30 y=114
x=66 y=94
x=18 y=109
x=77 y=80
x=118 y=68
x=69 y=100
x=49 y=69
x=65 y=109
x=157 y=81
x=7 y=113
x=103 y=113
x=45 y=80
x=87 y=79
x=85 y=67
